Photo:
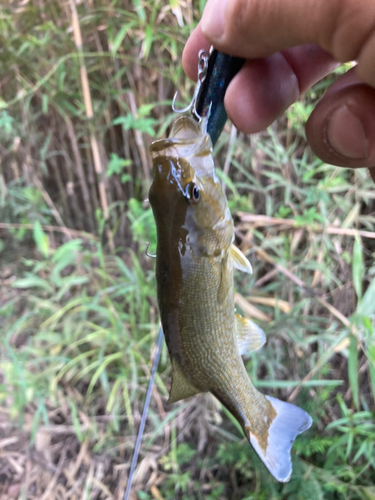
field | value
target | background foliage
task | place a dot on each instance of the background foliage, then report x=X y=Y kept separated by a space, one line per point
x=84 y=88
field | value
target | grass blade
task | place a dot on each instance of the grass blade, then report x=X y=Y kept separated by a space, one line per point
x=357 y=267
x=353 y=369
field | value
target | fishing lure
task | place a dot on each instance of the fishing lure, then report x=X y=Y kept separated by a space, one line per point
x=215 y=72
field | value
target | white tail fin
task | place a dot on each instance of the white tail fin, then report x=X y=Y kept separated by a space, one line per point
x=285 y=427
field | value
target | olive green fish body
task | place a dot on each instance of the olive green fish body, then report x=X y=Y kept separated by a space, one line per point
x=209 y=355
x=195 y=261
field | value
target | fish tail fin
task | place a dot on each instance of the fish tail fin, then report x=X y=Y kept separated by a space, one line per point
x=274 y=442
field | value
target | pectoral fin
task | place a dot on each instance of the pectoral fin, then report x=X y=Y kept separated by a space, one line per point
x=239 y=260
x=249 y=336
x=181 y=387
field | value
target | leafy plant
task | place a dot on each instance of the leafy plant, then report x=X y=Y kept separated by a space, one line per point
x=78 y=312
x=117 y=165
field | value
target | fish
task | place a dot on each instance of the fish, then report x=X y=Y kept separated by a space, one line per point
x=195 y=261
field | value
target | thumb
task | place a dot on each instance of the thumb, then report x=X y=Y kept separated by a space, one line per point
x=258 y=28
x=341 y=129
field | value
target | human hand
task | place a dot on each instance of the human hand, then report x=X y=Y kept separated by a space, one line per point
x=292 y=45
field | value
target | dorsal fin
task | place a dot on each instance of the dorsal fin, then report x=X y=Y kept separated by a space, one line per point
x=249 y=336
x=239 y=260
x=181 y=388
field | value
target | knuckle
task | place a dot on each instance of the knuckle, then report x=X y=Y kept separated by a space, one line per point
x=239 y=18
x=366 y=68
x=353 y=23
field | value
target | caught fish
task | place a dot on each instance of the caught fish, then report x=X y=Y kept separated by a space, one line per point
x=195 y=261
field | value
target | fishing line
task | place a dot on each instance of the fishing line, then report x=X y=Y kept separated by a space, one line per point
x=144 y=413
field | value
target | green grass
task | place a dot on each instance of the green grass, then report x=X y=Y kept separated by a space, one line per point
x=78 y=311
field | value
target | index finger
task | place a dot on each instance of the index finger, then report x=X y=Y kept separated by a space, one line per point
x=265 y=87
x=258 y=28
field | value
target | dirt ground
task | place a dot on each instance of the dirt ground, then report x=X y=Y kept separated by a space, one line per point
x=56 y=466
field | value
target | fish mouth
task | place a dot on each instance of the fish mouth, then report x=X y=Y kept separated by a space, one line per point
x=188 y=142
x=187 y=139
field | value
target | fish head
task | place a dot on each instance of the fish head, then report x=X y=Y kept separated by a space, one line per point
x=186 y=194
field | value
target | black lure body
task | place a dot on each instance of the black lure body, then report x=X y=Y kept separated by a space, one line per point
x=221 y=69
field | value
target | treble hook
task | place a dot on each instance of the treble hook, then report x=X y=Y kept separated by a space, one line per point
x=202 y=72
x=149 y=254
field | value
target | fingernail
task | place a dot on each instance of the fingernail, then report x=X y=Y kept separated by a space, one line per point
x=213 y=19
x=346 y=135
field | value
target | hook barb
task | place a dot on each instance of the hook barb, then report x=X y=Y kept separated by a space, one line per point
x=184 y=110
x=153 y=256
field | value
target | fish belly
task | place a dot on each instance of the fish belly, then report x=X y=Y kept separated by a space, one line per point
x=210 y=355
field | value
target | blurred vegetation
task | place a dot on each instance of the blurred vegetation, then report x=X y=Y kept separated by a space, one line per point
x=85 y=87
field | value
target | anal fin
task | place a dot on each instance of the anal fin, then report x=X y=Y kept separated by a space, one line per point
x=181 y=387
x=249 y=336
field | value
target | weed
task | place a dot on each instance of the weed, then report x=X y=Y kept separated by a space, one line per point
x=78 y=314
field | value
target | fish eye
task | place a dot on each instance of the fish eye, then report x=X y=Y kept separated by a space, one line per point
x=193 y=193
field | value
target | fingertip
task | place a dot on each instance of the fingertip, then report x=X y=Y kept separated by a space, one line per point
x=365 y=68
